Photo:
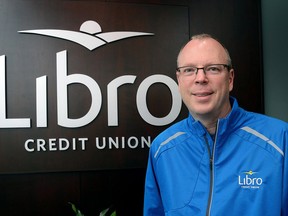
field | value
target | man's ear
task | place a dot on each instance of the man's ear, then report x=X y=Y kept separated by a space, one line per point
x=231 y=79
x=177 y=76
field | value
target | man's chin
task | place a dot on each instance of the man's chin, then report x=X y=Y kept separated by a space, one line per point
x=204 y=111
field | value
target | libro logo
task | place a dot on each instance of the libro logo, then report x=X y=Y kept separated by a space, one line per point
x=250 y=180
x=90 y=35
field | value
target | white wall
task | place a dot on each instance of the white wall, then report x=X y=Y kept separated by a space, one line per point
x=275 y=57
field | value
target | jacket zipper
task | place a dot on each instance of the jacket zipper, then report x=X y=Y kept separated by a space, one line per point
x=211 y=164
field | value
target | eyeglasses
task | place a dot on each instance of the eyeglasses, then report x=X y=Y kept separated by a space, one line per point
x=213 y=69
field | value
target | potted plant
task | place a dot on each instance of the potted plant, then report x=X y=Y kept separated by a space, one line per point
x=102 y=213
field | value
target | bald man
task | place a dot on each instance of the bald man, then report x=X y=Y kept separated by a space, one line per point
x=221 y=160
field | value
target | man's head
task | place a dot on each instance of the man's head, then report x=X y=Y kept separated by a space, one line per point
x=205 y=91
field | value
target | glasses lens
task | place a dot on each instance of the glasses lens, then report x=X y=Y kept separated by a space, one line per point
x=189 y=70
x=214 y=69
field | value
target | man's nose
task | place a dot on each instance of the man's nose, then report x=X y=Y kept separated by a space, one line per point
x=201 y=76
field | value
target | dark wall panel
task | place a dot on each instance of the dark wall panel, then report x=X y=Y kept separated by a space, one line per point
x=39 y=194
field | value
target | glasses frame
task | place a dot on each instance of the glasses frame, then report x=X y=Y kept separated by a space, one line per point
x=203 y=68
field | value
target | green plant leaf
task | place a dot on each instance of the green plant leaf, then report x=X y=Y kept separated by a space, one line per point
x=77 y=211
x=113 y=213
x=73 y=207
x=103 y=213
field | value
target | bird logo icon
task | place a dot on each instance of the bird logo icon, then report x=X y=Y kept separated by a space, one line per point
x=90 y=35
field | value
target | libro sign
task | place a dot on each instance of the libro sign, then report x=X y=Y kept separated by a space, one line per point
x=106 y=116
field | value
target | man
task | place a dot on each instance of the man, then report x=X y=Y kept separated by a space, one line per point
x=221 y=160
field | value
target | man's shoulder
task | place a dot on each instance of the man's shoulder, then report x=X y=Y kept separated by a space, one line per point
x=178 y=127
x=265 y=131
x=257 y=119
x=174 y=134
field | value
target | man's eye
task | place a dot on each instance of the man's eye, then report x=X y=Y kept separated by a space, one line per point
x=188 y=70
x=213 y=69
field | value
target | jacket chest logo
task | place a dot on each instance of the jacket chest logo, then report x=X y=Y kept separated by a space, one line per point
x=250 y=180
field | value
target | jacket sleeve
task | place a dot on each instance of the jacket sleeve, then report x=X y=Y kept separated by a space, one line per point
x=152 y=198
x=285 y=177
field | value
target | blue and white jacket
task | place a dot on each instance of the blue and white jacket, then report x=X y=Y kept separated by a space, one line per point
x=242 y=172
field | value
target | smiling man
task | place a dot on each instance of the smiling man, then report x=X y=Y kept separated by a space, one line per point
x=205 y=79
x=221 y=160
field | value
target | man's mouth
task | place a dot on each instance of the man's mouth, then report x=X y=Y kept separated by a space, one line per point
x=202 y=94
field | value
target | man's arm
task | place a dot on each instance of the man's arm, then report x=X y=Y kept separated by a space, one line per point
x=152 y=198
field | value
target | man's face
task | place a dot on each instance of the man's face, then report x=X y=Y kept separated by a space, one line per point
x=206 y=96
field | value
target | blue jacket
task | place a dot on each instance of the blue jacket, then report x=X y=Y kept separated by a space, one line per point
x=243 y=171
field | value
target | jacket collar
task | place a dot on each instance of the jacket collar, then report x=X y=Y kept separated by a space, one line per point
x=225 y=125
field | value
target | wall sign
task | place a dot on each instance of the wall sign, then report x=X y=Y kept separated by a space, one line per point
x=86 y=85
